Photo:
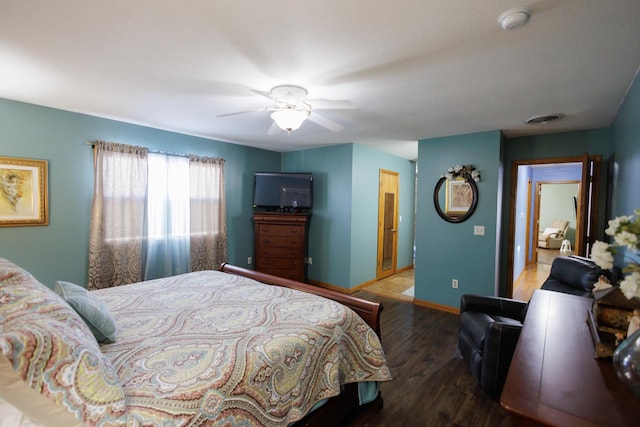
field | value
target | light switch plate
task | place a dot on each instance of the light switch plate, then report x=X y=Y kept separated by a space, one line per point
x=478 y=230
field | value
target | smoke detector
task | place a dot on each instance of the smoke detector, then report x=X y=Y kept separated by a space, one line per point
x=514 y=18
x=544 y=119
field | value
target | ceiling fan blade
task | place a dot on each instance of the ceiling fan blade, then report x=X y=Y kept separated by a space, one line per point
x=274 y=129
x=325 y=122
x=242 y=112
x=263 y=93
x=328 y=104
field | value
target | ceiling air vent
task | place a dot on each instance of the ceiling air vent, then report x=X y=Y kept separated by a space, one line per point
x=539 y=120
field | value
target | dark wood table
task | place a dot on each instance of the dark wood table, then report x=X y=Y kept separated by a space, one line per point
x=554 y=379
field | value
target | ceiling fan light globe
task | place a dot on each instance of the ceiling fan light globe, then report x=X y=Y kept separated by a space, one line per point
x=289 y=119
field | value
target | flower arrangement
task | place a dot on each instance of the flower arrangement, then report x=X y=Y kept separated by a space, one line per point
x=625 y=231
x=462 y=171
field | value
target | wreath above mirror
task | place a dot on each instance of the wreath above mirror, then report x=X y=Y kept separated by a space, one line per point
x=462 y=171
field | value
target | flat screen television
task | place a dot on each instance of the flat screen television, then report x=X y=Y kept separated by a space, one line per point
x=283 y=190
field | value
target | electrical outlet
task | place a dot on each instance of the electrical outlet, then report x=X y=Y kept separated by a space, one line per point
x=478 y=230
x=454 y=283
x=249 y=260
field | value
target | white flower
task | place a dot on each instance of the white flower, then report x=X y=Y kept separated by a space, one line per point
x=625 y=231
x=630 y=286
x=614 y=224
x=624 y=238
x=462 y=171
x=601 y=255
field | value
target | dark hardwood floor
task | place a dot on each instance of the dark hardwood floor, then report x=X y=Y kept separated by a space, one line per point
x=432 y=386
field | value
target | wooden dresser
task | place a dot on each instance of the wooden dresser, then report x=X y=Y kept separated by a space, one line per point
x=281 y=244
x=554 y=379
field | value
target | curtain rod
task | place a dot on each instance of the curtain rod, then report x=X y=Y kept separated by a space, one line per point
x=168 y=153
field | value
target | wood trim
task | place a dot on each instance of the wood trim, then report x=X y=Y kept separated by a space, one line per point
x=357 y=288
x=336 y=287
x=436 y=306
x=368 y=310
x=512 y=206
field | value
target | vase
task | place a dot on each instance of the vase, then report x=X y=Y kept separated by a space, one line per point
x=626 y=362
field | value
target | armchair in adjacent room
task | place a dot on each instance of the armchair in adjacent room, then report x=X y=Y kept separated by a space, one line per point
x=553 y=235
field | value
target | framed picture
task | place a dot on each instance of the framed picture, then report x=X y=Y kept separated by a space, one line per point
x=23 y=192
x=459 y=196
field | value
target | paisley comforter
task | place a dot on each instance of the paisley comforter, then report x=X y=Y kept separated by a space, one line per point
x=210 y=348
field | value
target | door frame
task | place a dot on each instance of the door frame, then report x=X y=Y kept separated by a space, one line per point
x=389 y=181
x=587 y=205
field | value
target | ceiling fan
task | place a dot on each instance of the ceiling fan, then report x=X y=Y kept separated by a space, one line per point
x=292 y=108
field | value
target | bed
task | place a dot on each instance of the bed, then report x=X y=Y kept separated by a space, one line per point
x=211 y=348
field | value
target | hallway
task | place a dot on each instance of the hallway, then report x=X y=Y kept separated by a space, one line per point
x=534 y=275
x=398 y=286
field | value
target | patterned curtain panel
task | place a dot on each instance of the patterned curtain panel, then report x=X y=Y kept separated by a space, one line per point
x=117 y=215
x=208 y=245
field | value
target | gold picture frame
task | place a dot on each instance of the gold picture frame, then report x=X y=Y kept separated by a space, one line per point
x=23 y=192
x=459 y=196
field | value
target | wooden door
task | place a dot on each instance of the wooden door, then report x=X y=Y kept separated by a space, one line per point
x=387 y=224
x=588 y=204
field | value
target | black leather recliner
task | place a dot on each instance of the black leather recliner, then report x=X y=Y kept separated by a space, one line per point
x=489 y=330
x=573 y=275
x=490 y=326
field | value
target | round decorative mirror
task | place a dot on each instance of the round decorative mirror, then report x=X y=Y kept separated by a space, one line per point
x=456 y=194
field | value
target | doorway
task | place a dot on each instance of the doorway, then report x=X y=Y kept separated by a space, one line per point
x=522 y=266
x=556 y=204
x=387 y=224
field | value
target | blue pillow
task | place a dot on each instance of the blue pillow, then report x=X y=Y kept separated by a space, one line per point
x=91 y=310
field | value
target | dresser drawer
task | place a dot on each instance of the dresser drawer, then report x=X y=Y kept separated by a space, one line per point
x=279 y=252
x=281 y=230
x=280 y=241
x=288 y=263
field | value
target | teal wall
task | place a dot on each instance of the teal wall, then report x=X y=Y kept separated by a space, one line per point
x=330 y=227
x=367 y=163
x=626 y=136
x=446 y=251
x=342 y=235
x=626 y=176
x=59 y=251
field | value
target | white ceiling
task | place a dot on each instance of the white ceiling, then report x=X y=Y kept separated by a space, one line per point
x=413 y=68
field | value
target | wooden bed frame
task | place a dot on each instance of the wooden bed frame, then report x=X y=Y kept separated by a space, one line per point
x=339 y=408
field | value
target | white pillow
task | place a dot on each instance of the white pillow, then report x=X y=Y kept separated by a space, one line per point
x=550 y=230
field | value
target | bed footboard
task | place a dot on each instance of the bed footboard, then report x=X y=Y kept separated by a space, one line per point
x=368 y=310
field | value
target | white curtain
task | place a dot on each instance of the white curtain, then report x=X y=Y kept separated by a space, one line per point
x=166 y=249
x=117 y=215
x=154 y=215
